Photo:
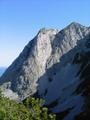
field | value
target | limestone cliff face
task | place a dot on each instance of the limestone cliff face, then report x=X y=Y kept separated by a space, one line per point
x=49 y=65
x=22 y=75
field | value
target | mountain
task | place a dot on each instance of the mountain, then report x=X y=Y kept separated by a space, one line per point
x=2 y=69
x=55 y=66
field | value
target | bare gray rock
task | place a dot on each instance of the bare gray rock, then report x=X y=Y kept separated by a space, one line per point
x=52 y=65
x=46 y=66
x=38 y=56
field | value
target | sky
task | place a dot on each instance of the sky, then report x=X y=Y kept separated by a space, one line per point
x=20 y=20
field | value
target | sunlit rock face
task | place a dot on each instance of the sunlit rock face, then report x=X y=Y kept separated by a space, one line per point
x=55 y=66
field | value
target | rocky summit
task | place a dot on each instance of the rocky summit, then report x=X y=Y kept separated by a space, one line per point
x=55 y=66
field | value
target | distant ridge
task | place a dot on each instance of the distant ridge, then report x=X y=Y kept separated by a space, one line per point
x=2 y=70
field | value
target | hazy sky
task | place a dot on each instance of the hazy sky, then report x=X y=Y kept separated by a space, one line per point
x=20 y=20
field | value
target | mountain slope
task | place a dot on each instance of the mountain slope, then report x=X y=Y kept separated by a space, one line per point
x=50 y=66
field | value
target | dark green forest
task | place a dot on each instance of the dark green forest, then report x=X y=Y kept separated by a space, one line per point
x=30 y=109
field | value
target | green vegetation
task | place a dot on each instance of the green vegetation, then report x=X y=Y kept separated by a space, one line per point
x=30 y=109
